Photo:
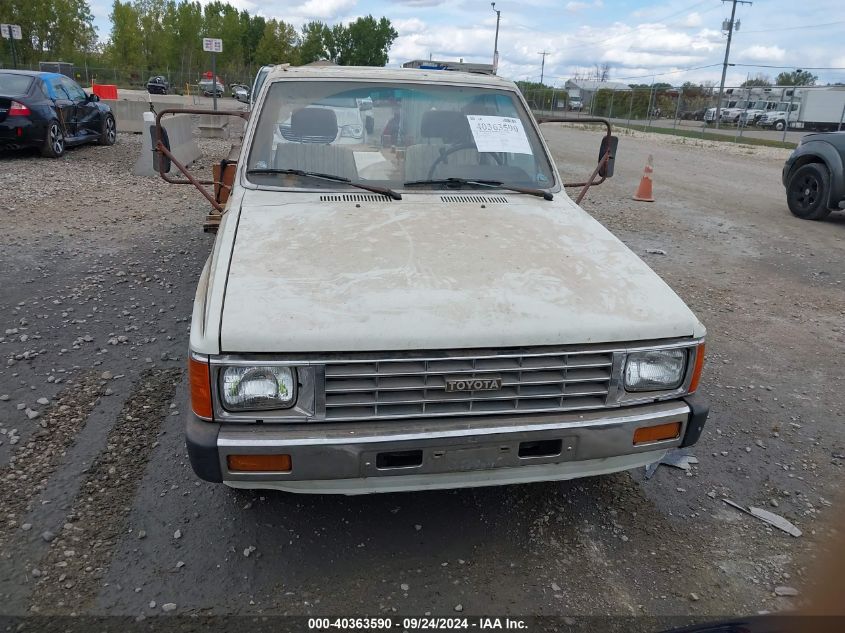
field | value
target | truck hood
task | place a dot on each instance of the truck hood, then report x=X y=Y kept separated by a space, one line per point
x=311 y=276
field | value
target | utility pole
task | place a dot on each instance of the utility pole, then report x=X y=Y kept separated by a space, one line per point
x=496 y=43
x=542 y=66
x=727 y=55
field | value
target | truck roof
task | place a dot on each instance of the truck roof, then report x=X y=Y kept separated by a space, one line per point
x=370 y=73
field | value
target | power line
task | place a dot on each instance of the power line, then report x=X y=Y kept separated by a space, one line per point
x=797 y=28
x=790 y=67
x=670 y=72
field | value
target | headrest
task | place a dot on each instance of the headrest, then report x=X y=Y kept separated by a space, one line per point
x=314 y=122
x=449 y=125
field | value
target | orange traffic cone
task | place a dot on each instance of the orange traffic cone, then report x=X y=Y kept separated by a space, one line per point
x=644 y=192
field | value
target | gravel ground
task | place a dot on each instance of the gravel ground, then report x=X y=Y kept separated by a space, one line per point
x=103 y=515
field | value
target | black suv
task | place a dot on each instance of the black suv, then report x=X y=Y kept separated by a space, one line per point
x=814 y=175
x=158 y=85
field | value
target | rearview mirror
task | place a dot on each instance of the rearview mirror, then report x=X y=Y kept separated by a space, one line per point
x=608 y=143
x=93 y=97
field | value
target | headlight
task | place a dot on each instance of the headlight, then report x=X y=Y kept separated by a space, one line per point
x=253 y=388
x=355 y=131
x=655 y=370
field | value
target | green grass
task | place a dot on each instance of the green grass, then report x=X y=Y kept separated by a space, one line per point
x=710 y=136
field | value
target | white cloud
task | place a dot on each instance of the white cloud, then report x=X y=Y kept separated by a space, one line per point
x=411 y=25
x=692 y=20
x=762 y=54
x=574 y=6
x=421 y=3
x=326 y=9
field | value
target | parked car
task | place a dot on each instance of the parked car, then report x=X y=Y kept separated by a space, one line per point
x=51 y=112
x=575 y=104
x=693 y=115
x=814 y=176
x=158 y=85
x=398 y=338
x=240 y=92
x=209 y=86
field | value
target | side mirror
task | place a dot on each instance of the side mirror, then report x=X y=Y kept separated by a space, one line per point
x=93 y=97
x=608 y=143
x=158 y=157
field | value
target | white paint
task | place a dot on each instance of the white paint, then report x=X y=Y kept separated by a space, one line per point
x=212 y=45
x=498 y=134
x=307 y=276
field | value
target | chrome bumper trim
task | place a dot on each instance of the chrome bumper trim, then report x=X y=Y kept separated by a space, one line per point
x=459 y=445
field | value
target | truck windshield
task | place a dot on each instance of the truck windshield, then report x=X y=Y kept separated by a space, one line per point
x=404 y=132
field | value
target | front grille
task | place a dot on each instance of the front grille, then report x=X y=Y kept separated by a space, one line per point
x=416 y=387
x=289 y=135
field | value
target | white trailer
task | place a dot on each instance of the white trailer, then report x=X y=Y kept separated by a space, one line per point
x=816 y=108
x=822 y=109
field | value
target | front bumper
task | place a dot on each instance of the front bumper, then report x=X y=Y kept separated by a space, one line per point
x=354 y=458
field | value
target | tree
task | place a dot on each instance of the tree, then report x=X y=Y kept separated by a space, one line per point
x=368 y=41
x=758 y=80
x=252 y=28
x=52 y=29
x=278 y=44
x=796 y=78
x=540 y=96
x=336 y=43
x=601 y=72
x=312 y=46
x=126 y=41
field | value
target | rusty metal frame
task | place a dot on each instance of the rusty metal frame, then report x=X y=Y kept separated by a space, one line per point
x=585 y=186
x=190 y=179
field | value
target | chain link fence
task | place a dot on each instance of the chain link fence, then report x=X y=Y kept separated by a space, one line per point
x=181 y=81
x=743 y=109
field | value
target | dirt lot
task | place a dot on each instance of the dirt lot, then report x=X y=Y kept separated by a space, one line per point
x=103 y=515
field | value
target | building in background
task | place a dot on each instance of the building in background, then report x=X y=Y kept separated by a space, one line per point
x=585 y=89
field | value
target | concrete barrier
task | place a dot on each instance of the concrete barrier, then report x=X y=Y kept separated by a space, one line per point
x=129 y=115
x=182 y=143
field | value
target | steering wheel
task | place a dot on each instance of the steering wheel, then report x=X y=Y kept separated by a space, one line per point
x=451 y=150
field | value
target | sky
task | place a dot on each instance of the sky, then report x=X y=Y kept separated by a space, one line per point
x=672 y=41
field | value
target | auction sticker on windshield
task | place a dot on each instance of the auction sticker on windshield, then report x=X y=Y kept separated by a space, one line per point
x=498 y=134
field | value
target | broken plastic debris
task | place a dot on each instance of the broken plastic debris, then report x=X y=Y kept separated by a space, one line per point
x=676 y=458
x=767 y=517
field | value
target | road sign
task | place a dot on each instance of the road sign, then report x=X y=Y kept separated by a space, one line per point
x=212 y=45
x=14 y=29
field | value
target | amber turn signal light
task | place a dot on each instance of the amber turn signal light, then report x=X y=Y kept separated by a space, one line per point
x=259 y=463
x=696 y=370
x=646 y=434
x=199 y=378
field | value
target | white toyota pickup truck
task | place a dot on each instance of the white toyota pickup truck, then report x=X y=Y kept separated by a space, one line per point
x=426 y=307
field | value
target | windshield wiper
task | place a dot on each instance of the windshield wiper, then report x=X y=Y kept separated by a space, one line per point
x=493 y=184
x=330 y=177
